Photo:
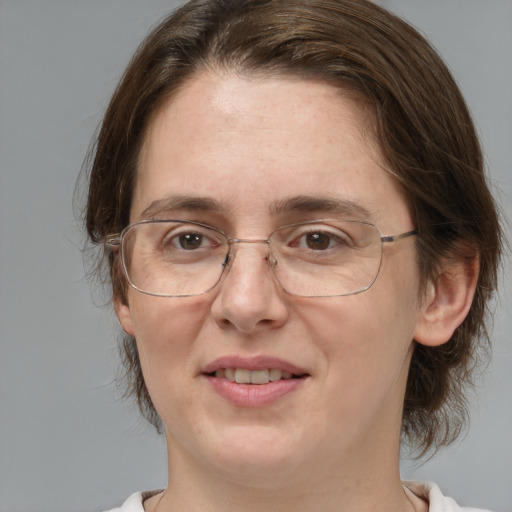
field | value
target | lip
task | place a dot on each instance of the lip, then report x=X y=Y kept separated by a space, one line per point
x=253 y=363
x=253 y=395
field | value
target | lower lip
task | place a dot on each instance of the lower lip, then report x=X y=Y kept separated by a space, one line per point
x=254 y=395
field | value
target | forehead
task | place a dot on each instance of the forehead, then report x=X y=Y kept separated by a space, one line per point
x=254 y=142
x=211 y=105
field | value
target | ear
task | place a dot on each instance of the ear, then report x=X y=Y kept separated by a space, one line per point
x=124 y=316
x=447 y=302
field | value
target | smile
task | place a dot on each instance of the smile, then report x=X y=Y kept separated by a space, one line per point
x=245 y=376
x=256 y=381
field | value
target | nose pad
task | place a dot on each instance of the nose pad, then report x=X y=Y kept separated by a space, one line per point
x=269 y=258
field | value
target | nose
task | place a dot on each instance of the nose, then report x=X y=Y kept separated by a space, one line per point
x=249 y=298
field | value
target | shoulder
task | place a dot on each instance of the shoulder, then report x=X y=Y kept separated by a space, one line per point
x=430 y=492
x=135 y=502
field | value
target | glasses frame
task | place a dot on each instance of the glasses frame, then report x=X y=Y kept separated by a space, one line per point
x=115 y=243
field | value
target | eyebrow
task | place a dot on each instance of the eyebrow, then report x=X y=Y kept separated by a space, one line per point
x=315 y=204
x=301 y=203
x=181 y=202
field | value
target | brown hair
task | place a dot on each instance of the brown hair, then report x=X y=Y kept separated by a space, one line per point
x=420 y=121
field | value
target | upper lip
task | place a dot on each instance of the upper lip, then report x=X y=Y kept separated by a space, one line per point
x=253 y=363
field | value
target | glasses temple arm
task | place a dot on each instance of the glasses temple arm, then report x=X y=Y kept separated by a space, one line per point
x=394 y=238
x=112 y=241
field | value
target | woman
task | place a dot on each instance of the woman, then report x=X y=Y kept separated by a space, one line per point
x=301 y=244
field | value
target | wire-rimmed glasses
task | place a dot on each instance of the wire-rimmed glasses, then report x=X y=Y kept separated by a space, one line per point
x=320 y=258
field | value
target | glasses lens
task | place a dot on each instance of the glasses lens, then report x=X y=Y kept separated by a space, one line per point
x=327 y=258
x=173 y=258
x=314 y=259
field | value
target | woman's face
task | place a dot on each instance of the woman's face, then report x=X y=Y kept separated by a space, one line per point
x=237 y=150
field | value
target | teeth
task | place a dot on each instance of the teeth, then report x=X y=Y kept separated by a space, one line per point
x=244 y=376
x=230 y=374
x=259 y=377
x=275 y=374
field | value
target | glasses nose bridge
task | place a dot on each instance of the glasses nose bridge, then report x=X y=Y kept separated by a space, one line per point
x=232 y=242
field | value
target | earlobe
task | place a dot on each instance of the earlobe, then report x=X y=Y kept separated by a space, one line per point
x=122 y=310
x=447 y=302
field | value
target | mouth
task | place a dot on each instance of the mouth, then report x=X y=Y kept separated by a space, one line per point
x=254 y=381
x=257 y=377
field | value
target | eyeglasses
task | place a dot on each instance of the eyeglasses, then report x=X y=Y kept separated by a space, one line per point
x=320 y=258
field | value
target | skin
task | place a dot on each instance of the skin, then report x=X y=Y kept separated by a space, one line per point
x=332 y=444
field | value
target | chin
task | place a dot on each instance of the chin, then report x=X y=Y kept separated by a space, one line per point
x=261 y=453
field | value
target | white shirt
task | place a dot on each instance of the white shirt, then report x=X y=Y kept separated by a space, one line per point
x=429 y=491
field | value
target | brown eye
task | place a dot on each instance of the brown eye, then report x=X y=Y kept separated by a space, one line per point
x=190 y=241
x=318 y=241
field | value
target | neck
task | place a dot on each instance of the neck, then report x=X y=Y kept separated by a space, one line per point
x=348 y=487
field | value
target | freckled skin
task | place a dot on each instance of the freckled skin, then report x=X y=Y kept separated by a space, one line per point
x=248 y=143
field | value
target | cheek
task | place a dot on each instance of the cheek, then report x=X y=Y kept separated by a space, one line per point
x=365 y=356
x=165 y=330
x=346 y=331
x=359 y=323
x=364 y=338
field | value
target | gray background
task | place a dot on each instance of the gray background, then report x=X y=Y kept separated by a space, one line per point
x=66 y=440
